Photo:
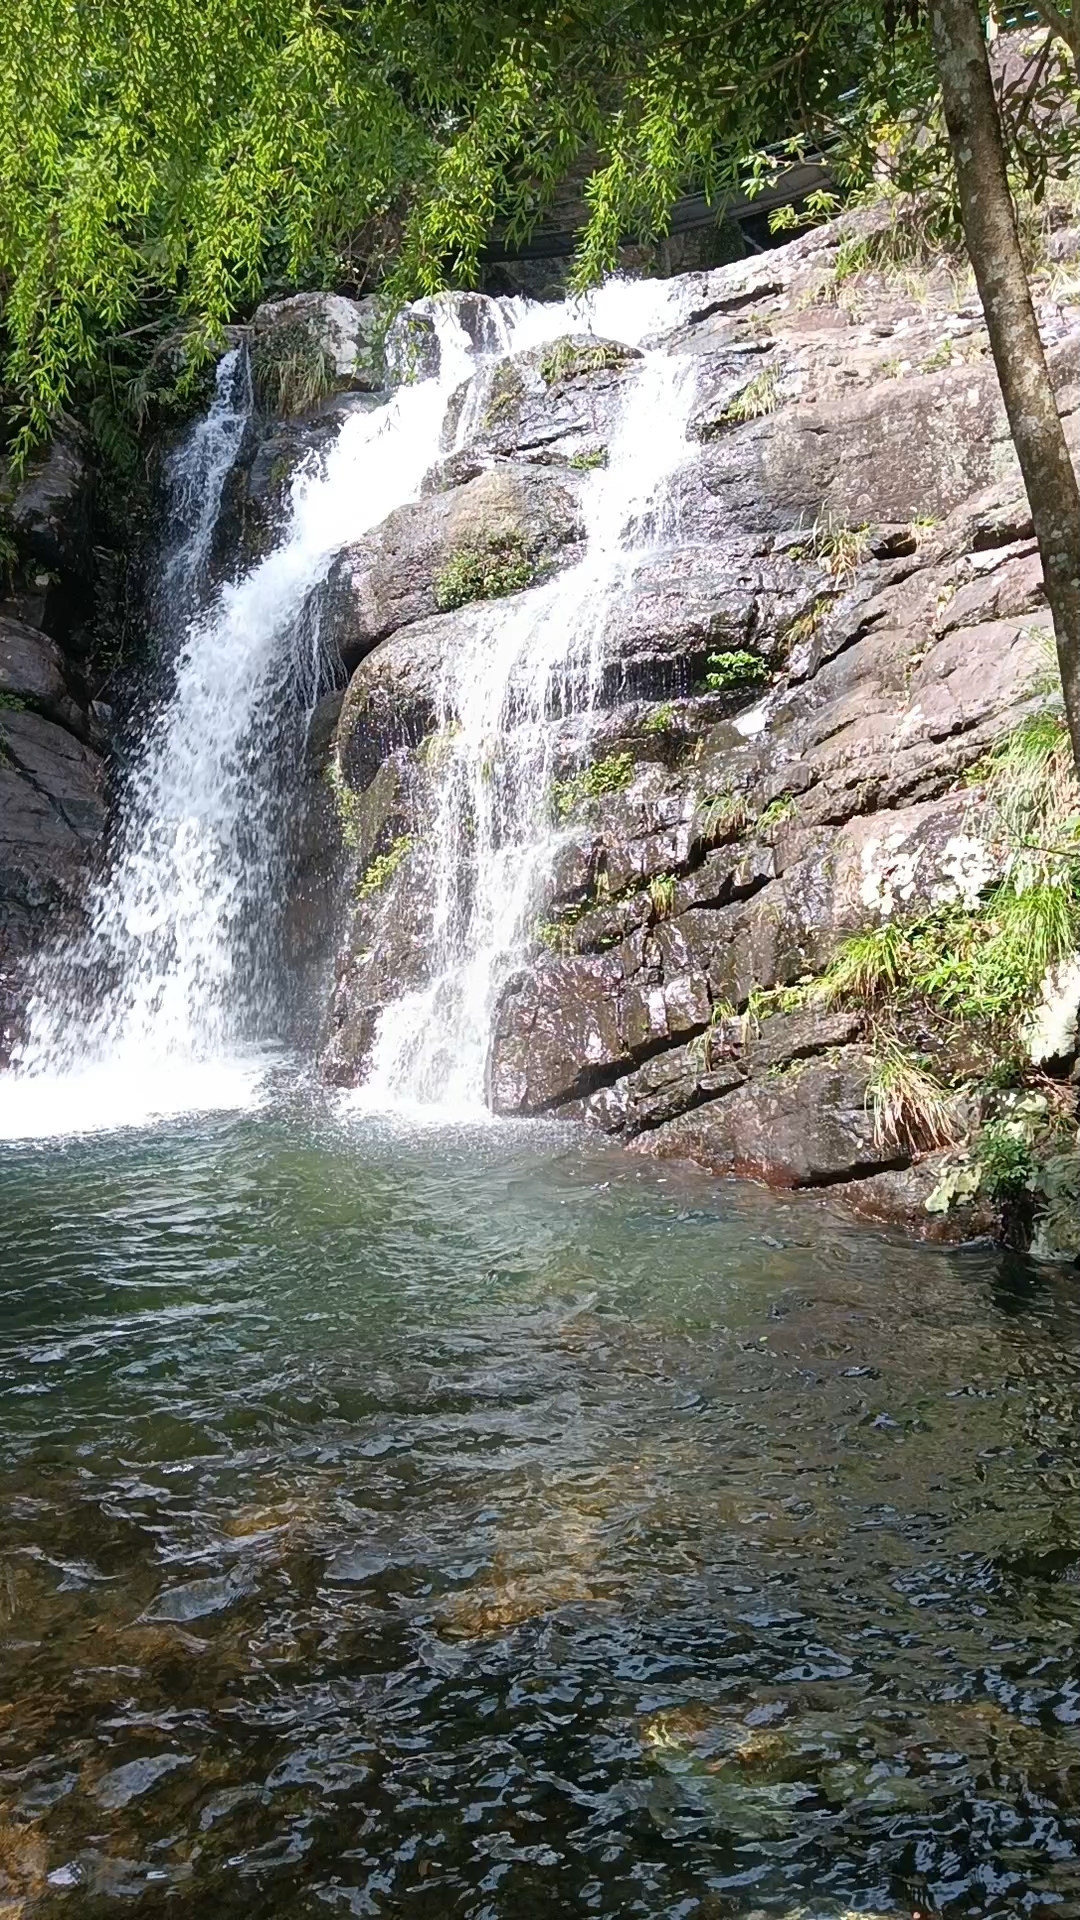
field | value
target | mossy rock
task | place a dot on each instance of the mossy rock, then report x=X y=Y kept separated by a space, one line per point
x=580 y=356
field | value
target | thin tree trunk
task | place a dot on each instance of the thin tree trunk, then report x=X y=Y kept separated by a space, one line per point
x=986 y=208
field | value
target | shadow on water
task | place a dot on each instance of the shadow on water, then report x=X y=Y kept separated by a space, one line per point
x=468 y=1525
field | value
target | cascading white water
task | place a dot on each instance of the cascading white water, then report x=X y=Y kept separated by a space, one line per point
x=494 y=833
x=158 y=1006
x=195 y=476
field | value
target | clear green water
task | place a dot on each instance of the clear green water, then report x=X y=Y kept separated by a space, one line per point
x=483 y=1526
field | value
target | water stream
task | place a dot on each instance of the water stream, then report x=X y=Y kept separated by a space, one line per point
x=481 y=1524
x=498 y=708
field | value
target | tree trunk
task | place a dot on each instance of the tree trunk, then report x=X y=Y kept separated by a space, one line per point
x=986 y=208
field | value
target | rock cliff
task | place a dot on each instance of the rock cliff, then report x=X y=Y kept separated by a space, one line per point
x=849 y=535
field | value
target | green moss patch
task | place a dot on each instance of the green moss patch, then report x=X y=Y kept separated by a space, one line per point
x=384 y=867
x=502 y=565
x=571 y=796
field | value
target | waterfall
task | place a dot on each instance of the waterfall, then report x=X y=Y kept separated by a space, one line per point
x=497 y=703
x=170 y=997
x=195 y=476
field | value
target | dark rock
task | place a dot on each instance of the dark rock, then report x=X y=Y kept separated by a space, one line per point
x=898 y=1196
x=50 y=511
x=796 y=1036
x=51 y=818
x=35 y=673
x=678 y=1079
x=810 y=1126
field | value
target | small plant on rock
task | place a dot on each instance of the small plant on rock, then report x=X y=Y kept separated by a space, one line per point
x=291 y=369
x=348 y=805
x=805 y=625
x=661 y=719
x=736 y=671
x=662 y=895
x=836 y=547
x=759 y=397
x=611 y=775
x=777 y=811
x=912 y=1111
x=568 y=359
x=723 y=816
x=588 y=459
x=866 y=966
x=384 y=867
x=502 y=565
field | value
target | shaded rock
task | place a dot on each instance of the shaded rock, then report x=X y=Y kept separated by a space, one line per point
x=57 y=769
x=680 y=1078
x=811 y=1126
x=35 y=673
x=795 y=1036
x=50 y=511
x=51 y=818
x=897 y=1198
x=412 y=342
x=560 y=1030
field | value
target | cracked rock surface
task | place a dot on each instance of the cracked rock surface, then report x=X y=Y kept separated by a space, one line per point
x=776 y=821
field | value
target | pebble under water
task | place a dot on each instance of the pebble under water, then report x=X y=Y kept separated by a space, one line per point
x=472 y=1524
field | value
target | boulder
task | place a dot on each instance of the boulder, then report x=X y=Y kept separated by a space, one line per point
x=811 y=1126
x=393 y=577
x=344 y=332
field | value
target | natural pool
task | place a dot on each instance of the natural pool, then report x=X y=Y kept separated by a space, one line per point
x=469 y=1524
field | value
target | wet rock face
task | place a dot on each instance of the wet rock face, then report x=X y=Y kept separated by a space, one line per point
x=406 y=571
x=51 y=807
x=51 y=741
x=862 y=534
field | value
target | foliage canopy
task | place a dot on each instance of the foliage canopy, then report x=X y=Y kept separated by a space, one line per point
x=166 y=163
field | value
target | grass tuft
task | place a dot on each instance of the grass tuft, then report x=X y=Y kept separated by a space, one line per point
x=722 y=817
x=912 y=1110
x=836 y=547
x=291 y=371
x=867 y=966
x=662 y=894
